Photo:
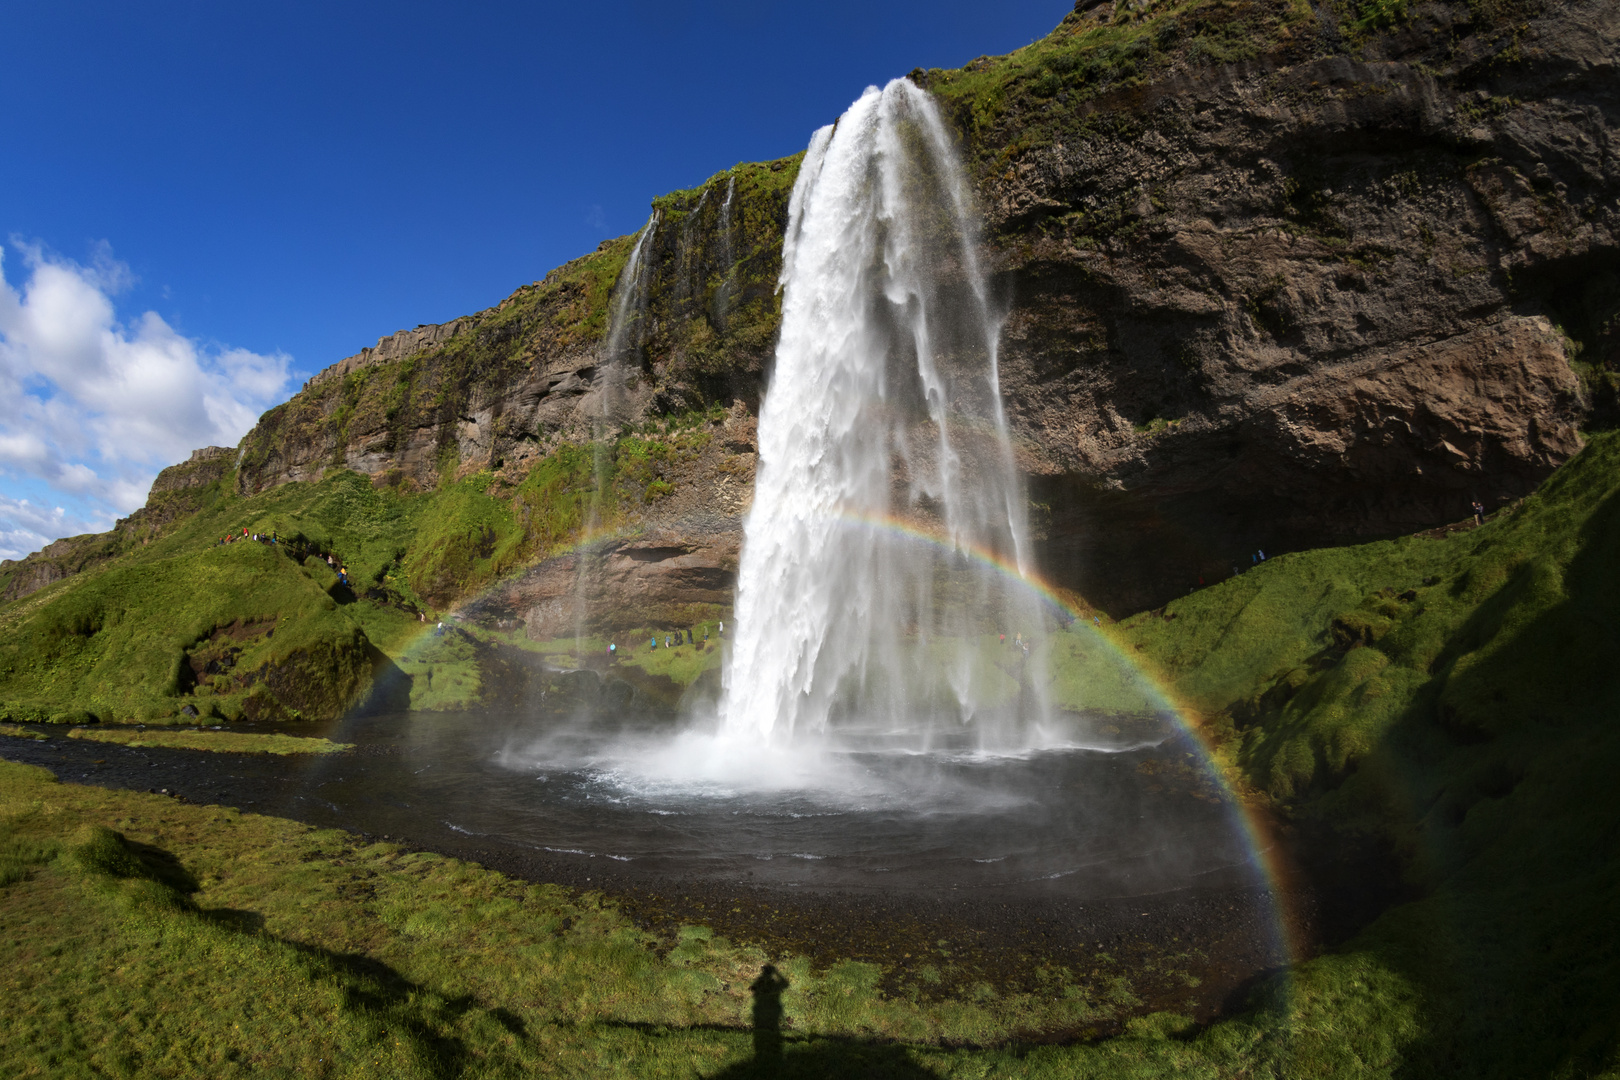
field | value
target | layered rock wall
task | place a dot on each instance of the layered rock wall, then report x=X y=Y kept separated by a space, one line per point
x=1304 y=298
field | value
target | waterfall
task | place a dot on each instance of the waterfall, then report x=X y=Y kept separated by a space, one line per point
x=625 y=331
x=888 y=527
x=688 y=256
x=725 y=218
x=728 y=257
x=607 y=408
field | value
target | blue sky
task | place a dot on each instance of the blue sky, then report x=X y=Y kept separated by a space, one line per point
x=203 y=203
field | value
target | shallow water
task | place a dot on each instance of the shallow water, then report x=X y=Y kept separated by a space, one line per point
x=1078 y=821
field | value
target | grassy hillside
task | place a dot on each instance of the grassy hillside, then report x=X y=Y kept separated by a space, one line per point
x=1457 y=697
x=267 y=630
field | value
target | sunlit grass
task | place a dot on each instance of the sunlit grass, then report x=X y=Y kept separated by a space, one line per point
x=220 y=742
x=16 y=731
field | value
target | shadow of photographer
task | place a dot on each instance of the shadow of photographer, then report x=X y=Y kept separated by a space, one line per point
x=778 y=1055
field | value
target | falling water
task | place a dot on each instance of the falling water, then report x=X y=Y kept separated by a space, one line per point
x=688 y=256
x=607 y=407
x=624 y=330
x=728 y=256
x=883 y=422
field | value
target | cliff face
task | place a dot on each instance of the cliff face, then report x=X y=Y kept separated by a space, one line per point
x=689 y=323
x=1322 y=294
x=1276 y=275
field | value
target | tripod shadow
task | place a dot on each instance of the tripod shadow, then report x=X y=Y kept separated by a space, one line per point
x=779 y=1055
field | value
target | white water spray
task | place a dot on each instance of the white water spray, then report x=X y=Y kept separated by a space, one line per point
x=883 y=421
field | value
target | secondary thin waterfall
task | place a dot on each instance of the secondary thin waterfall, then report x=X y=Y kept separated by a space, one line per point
x=889 y=522
x=610 y=407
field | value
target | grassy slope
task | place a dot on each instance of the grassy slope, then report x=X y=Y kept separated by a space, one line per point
x=1459 y=698
x=112 y=643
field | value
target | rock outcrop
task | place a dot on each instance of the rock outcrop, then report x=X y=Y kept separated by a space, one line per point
x=673 y=580
x=1305 y=298
x=396 y=346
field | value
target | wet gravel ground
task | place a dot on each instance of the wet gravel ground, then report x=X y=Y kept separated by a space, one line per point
x=1199 y=951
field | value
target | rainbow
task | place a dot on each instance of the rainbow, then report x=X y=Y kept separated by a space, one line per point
x=1251 y=823
x=1249 y=819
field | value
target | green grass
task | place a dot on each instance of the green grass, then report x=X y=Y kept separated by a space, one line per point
x=144 y=936
x=683 y=663
x=445 y=671
x=219 y=742
x=1454 y=698
x=21 y=732
x=144 y=636
x=147 y=937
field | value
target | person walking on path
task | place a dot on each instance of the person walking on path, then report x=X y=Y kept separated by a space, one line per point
x=1479 y=513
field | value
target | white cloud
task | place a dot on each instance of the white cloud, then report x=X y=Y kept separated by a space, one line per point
x=95 y=406
x=25 y=527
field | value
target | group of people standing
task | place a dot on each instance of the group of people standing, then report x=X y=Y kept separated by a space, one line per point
x=262 y=538
x=342 y=570
x=673 y=639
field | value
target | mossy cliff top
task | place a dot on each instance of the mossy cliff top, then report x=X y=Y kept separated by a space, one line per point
x=520 y=379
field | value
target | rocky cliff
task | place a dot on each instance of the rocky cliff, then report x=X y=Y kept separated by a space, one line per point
x=1276 y=275
x=1328 y=290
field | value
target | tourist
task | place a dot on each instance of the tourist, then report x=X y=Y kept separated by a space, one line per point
x=1097 y=621
x=653 y=644
x=722 y=630
x=1479 y=512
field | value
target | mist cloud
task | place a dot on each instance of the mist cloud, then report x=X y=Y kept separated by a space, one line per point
x=95 y=406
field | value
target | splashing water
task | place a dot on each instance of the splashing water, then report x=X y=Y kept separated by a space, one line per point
x=884 y=407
